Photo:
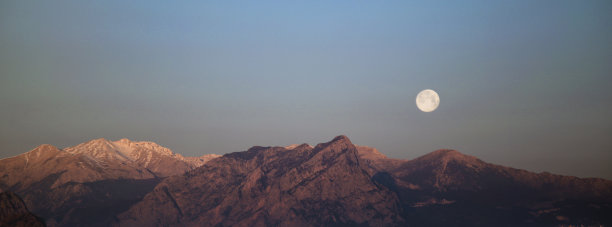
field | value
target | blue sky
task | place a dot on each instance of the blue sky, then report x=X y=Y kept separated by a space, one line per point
x=522 y=83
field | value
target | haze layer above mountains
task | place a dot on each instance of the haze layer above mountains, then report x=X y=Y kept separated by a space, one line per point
x=126 y=183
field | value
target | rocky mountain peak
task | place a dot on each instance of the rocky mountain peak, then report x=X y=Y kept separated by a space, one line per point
x=294 y=146
x=100 y=149
x=43 y=150
x=338 y=142
x=447 y=155
x=123 y=149
x=124 y=140
x=46 y=147
x=341 y=139
x=370 y=153
x=98 y=142
x=271 y=186
x=150 y=147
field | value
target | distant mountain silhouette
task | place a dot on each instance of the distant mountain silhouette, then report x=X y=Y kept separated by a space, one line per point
x=90 y=183
x=340 y=184
x=125 y=183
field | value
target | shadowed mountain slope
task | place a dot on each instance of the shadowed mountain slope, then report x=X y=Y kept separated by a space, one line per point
x=13 y=212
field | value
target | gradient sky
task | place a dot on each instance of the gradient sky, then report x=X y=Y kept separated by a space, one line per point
x=526 y=84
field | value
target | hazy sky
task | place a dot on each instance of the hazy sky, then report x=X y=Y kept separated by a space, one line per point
x=522 y=83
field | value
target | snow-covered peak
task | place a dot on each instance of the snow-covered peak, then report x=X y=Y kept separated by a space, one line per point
x=95 y=160
x=139 y=146
x=100 y=149
x=92 y=146
x=122 y=149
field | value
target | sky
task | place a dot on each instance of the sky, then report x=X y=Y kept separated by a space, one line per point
x=525 y=84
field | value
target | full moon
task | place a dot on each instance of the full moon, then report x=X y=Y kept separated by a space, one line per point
x=427 y=100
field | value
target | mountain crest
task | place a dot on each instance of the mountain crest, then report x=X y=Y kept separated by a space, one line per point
x=295 y=146
x=123 y=149
x=370 y=153
x=341 y=138
x=337 y=141
x=262 y=186
x=446 y=155
x=46 y=147
x=124 y=140
x=101 y=149
x=97 y=143
x=43 y=149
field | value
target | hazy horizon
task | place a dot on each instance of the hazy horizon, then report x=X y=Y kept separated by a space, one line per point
x=521 y=84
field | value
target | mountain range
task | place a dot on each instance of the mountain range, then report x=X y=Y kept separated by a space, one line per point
x=337 y=183
x=91 y=182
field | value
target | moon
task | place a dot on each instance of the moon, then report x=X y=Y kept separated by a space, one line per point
x=427 y=100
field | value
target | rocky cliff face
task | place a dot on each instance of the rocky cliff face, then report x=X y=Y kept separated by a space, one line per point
x=337 y=183
x=13 y=212
x=324 y=185
x=89 y=183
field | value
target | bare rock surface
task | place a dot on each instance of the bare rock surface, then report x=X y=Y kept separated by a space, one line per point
x=272 y=186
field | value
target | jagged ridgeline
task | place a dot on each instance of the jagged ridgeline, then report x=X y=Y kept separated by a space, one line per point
x=90 y=183
x=338 y=183
x=124 y=183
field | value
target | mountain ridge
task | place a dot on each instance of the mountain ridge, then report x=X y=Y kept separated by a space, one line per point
x=334 y=183
x=439 y=188
x=269 y=185
x=55 y=182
